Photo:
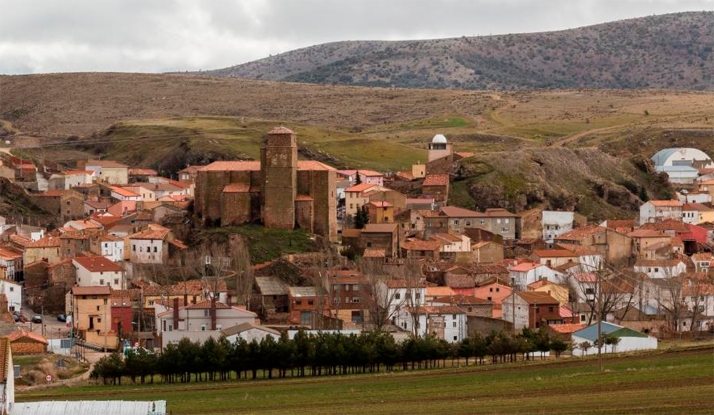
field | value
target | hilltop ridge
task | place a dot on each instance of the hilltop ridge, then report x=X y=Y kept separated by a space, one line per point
x=668 y=51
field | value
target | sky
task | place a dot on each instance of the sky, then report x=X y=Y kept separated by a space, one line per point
x=45 y=36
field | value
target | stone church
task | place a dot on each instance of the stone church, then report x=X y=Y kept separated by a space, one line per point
x=279 y=191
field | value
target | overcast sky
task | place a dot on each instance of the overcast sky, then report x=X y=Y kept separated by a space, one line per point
x=41 y=36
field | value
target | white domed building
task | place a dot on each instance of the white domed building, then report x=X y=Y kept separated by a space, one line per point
x=439 y=148
x=682 y=165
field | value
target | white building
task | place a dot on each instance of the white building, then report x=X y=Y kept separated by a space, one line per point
x=439 y=148
x=111 y=247
x=657 y=210
x=209 y=317
x=125 y=194
x=665 y=268
x=682 y=157
x=10 y=263
x=13 y=293
x=453 y=243
x=529 y=272
x=629 y=340
x=149 y=246
x=371 y=177
x=556 y=223
x=249 y=332
x=98 y=270
x=108 y=171
x=445 y=322
x=73 y=178
x=396 y=295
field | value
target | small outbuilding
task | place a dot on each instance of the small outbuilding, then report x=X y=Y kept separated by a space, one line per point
x=628 y=339
x=27 y=342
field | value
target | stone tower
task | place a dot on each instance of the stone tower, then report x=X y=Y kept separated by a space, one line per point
x=279 y=162
x=439 y=148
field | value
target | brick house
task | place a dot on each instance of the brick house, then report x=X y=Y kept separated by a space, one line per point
x=27 y=342
x=437 y=187
x=381 y=236
x=532 y=309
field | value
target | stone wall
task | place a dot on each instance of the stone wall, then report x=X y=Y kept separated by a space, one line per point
x=27 y=346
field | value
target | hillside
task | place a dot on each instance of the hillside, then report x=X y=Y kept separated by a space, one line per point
x=669 y=51
x=582 y=149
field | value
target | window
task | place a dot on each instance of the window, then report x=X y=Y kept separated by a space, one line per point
x=348 y=300
x=355 y=299
x=12 y=289
x=505 y=220
x=310 y=302
x=417 y=295
x=468 y=223
x=101 y=282
x=155 y=249
x=456 y=222
x=498 y=220
x=97 y=308
x=347 y=287
x=133 y=247
x=369 y=244
x=490 y=289
x=355 y=287
x=455 y=338
x=488 y=298
x=298 y=302
x=205 y=313
x=550 y=309
x=203 y=327
x=454 y=324
x=116 y=281
x=397 y=296
x=498 y=289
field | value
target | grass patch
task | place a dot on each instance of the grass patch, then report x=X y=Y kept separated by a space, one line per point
x=265 y=244
x=659 y=382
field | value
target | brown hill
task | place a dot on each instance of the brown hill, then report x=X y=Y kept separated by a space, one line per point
x=584 y=149
x=667 y=51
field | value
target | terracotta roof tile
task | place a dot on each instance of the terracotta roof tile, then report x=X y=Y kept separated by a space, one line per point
x=22 y=333
x=436 y=180
x=97 y=264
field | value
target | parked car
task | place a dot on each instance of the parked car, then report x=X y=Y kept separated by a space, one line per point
x=37 y=318
x=61 y=317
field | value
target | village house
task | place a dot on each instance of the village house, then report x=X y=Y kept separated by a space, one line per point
x=558 y=291
x=305 y=305
x=125 y=194
x=380 y=212
x=613 y=246
x=556 y=223
x=152 y=245
x=13 y=294
x=24 y=342
x=696 y=213
x=470 y=305
x=702 y=262
x=107 y=171
x=108 y=246
x=657 y=210
x=531 y=309
x=349 y=296
x=96 y=205
x=92 y=315
x=357 y=196
x=660 y=268
x=189 y=174
x=487 y=252
x=444 y=322
x=47 y=248
x=529 y=272
x=436 y=186
x=454 y=247
x=371 y=177
x=98 y=270
x=271 y=300
x=11 y=265
x=395 y=295
x=417 y=248
x=199 y=321
x=383 y=236
x=629 y=340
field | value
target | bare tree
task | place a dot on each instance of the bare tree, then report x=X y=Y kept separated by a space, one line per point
x=602 y=291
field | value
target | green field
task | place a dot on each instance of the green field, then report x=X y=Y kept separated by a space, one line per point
x=673 y=381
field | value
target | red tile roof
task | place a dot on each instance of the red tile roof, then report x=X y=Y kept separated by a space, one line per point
x=566 y=328
x=537 y=297
x=370 y=173
x=22 y=333
x=457 y=212
x=46 y=242
x=237 y=188
x=421 y=245
x=554 y=253
x=97 y=264
x=280 y=130
x=360 y=187
x=124 y=192
x=525 y=267
x=436 y=180
x=95 y=290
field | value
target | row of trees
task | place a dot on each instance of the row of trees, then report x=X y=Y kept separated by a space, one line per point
x=317 y=355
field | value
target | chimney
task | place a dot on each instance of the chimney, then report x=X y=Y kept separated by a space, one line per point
x=176 y=313
x=213 y=313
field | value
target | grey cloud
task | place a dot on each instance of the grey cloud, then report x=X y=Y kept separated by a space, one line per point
x=164 y=35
